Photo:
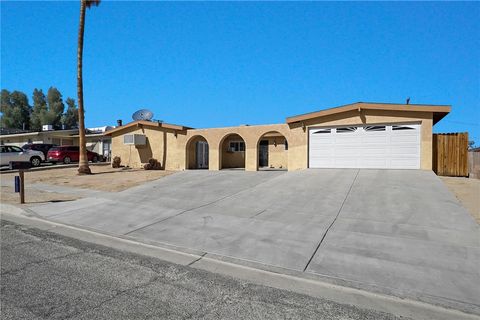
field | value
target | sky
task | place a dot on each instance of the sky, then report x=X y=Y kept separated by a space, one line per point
x=208 y=64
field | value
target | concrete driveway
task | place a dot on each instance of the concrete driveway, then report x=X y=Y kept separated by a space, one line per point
x=398 y=232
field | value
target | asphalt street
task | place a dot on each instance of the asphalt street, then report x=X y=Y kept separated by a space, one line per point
x=47 y=276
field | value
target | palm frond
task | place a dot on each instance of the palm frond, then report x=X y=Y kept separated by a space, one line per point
x=89 y=3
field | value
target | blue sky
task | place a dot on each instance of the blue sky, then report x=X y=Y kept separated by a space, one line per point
x=222 y=64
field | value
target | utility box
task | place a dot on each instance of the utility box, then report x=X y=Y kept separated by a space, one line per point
x=135 y=139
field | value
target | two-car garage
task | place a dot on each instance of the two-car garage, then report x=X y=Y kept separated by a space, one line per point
x=391 y=146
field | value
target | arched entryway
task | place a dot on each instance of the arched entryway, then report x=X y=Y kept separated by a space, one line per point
x=197 y=153
x=232 y=152
x=272 y=151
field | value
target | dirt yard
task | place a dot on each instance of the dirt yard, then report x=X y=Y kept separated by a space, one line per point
x=104 y=178
x=467 y=191
x=34 y=196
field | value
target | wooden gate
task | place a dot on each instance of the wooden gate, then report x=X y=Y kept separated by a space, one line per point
x=450 y=154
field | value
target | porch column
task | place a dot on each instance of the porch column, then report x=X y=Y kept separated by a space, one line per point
x=214 y=159
x=251 y=153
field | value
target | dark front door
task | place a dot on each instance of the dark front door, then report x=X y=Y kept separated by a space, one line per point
x=263 y=154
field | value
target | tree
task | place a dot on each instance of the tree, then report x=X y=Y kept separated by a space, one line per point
x=55 y=107
x=15 y=110
x=39 y=111
x=70 y=118
x=83 y=167
x=47 y=110
x=471 y=144
x=5 y=108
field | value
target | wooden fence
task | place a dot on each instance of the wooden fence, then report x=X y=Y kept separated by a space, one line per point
x=450 y=154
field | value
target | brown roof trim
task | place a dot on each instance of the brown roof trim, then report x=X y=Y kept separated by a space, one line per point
x=439 y=111
x=150 y=124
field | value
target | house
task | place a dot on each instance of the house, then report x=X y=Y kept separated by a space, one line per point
x=97 y=141
x=357 y=135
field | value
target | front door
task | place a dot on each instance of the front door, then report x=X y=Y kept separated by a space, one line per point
x=263 y=154
x=202 y=155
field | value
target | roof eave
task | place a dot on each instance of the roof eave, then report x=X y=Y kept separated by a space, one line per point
x=148 y=124
x=441 y=110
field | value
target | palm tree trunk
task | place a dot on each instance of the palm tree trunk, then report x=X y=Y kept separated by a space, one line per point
x=83 y=167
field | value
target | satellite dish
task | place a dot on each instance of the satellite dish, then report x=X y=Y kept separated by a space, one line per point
x=142 y=114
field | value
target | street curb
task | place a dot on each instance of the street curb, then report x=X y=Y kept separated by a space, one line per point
x=310 y=287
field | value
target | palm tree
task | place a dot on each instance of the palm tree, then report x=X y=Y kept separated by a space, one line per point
x=83 y=167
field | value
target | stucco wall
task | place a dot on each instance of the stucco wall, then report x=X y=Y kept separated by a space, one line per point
x=251 y=135
x=170 y=146
x=161 y=144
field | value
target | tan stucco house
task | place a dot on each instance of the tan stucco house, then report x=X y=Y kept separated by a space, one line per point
x=358 y=135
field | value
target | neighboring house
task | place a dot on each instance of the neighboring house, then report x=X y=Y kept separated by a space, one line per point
x=96 y=139
x=358 y=135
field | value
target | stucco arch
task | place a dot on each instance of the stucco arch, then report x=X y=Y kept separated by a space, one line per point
x=232 y=150
x=272 y=150
x=191 y=152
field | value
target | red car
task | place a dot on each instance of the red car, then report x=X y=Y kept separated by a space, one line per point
x=68 y=154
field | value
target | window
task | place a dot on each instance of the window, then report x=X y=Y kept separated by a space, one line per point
x=374 y=128
x=14 y=149
x=237 y=146
x=323 y=131
x=395 y=128
x=286 y=145
x=346 y=129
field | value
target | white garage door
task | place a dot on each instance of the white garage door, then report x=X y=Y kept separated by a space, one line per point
x=375 y=146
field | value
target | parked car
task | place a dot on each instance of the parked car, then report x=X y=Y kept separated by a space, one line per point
x=68 y=154
x=14 y=153
x=44 y=147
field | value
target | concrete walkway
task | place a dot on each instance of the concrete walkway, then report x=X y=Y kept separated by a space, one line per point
x=398 y=232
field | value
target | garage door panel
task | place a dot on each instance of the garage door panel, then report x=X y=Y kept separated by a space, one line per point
x=366 y=147
x=347 y=152
x=373 y=151
x=373 y=163
x=322 y=163
x=345 y=163
x=347 y=139
x=406 y=151
x=404 y=139
x=374 y=139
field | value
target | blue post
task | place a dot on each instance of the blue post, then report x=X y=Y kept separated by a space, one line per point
x=17 y=184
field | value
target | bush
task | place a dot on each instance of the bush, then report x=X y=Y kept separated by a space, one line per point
x=116 y=162
x=153 y=164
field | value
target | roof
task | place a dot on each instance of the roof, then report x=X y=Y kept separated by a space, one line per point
x=144 y=123
x=4 y=131
x=439 y=111
x=34 y=133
